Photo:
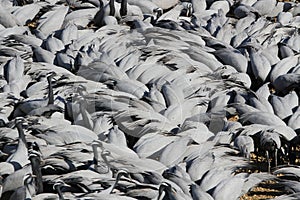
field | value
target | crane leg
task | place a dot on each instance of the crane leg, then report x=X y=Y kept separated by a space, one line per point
x=276 y=153
x=268 y=160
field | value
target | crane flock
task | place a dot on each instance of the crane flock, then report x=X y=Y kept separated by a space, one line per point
x=149 y=99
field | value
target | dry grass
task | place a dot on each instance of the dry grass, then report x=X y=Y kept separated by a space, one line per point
x=295 y=1
x=267 y=189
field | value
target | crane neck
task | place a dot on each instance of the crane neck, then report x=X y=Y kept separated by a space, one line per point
x=101 y=3
x=161 y=192
x=21 y=133
x=59 y=192
x=36 y=169
x=119 y=175
x=66 y=112
x=112 y=8
x=123 y=9
x=85 y=114
x=104 y=157
x=50 y=91
x=95 y=151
